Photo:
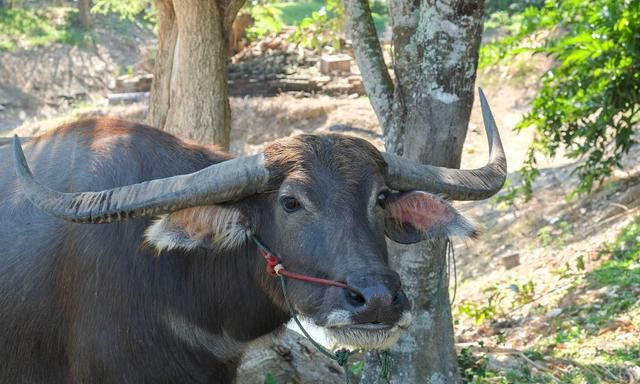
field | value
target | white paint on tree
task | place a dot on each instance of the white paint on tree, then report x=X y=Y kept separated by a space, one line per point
x=445 y=97
x=433 y=26
x=406 y=344
x=423 y=320
x=437 y=378
x=402 y=14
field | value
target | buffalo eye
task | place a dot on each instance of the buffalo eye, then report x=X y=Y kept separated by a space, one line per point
x=383 y=197
x=290 y=204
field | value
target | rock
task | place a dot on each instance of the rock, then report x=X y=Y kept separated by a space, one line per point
x=339 y=63
x=127 y=83
x=511 y=261
x=358 y=87
x=321 y=80
x=633 y=374
x=555 y=312
x=127 y=98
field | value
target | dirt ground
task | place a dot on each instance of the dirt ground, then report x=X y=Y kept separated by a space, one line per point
x=45 y=82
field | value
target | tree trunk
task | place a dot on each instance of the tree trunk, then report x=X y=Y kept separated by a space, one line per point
x=84 y=13
x=436 y=45
x=290 y=358
x=189 y=94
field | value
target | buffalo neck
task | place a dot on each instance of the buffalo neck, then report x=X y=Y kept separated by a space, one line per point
x=230 y=292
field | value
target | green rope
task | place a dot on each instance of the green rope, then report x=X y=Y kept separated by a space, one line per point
x=445 y=271
x=384 y=361
x=341 y=356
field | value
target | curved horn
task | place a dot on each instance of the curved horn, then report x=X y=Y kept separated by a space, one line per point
x=229 y=180
x=456 y=184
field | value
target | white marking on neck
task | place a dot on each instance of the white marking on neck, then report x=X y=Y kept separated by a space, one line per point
x=223 y=347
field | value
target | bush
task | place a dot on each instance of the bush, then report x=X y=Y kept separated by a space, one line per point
x=588 y=103
x=35 y=28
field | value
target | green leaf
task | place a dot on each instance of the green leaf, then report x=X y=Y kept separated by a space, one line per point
x=587 y=102
x=270 y=378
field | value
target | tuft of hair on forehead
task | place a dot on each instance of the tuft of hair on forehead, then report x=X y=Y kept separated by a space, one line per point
x=295 y=157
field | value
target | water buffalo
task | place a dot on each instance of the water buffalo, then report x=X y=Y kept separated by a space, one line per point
x=169 y=288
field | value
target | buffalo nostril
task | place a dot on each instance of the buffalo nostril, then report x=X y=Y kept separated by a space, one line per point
x=355 y=298
x=399 y=299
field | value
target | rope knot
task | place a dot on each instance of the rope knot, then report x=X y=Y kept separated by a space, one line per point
x=342 y=357
x=274 y=265
x=277 y=268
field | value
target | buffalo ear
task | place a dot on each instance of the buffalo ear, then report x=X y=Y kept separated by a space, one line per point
x=214 y=227
x=414 y=216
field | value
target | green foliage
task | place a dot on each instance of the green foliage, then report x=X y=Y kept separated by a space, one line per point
x=293 y=13
x=492 y=6
x=270 y=378
x=9 y=4
x=131 y=10
x=322 y=28
x=268 y=19
x=544 y=235
x=555 y=235
x=380 y=14
x=37 y=28
x=480 y=313
x=631 y=354
x=620 y=276
x=473 y=367
x=524 y=293
x=319 y=23
x=356 y=368
x=589 y=102
x=503 y=21
x=594 y=304
x=623 y=269
x=379 y=7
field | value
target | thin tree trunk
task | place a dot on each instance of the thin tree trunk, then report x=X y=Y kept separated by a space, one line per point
x=84 y=13
x=436 y=45
x=161 y=86
x=189 y=94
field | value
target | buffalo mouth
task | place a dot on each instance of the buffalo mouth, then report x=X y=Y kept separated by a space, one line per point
x=341 y=332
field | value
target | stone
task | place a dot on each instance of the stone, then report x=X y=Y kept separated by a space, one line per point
x=511 y=261
x=334 y=63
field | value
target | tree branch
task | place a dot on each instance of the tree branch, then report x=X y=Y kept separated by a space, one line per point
x=375 y=75
x=231 y=9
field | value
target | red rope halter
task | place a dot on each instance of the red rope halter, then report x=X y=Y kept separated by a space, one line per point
x=275 y=268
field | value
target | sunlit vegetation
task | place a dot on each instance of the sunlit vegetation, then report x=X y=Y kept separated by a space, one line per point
x=37 y=28
x=142 y=10
x=593 y=338
x=588 y=102
x=318 y=23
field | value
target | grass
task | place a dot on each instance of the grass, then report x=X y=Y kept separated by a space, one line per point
x=502 y=27
x=37 y=28
x=294 y=12
x=596 y=335
x=624 y=267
